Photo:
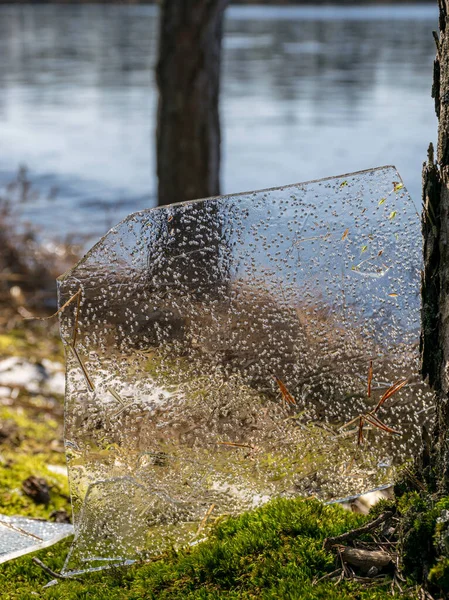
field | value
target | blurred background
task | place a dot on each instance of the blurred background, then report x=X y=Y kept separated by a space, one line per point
x=306 y=92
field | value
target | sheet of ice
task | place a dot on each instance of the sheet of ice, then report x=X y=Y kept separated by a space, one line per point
x=216 y=348
x=21 y=535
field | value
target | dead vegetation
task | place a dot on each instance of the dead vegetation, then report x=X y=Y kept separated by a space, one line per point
x=28 y=268
x=368 y=554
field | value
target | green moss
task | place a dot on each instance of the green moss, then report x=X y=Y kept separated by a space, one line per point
x=30 y=442
x=439 y=575
x=272 y=552
x=382 y=506
x=35 y=428
x=14 y=470
x=424 y=538
x=36 y=339
x=419 y=517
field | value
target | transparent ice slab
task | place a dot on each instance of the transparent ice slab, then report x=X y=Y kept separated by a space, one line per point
x=216 y=349
x=20 y=535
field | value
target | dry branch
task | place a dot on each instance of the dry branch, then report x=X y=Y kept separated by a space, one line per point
x=366 y=559
x=355 y=533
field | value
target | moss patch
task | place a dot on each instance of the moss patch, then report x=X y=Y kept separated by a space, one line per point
x=36 y=340
x=31 y=441
x=272 y=552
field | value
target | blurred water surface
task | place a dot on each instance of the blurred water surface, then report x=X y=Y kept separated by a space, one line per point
x=307 y=92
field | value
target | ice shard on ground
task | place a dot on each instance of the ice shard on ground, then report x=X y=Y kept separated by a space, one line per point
x=22 y=535
x=217 y=348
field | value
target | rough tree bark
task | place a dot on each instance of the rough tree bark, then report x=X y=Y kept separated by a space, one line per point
x=435 y=277
x=188 y=77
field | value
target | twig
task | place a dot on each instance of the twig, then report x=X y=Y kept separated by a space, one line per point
x=51 y=572
x=327 y=576
x=355 y=533
x=69 y=301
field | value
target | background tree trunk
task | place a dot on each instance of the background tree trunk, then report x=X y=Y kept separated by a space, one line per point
x=188 y=77
x=435 y=278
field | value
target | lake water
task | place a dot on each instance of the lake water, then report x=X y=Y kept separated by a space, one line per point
x=307 y=92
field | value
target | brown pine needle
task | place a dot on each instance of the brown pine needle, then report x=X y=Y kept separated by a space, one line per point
x=69 y=301
x=373 y=420
x=390 y=392
x=288 y=398
x=370 y=377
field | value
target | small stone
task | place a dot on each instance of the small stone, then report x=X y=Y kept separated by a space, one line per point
x=37 y=489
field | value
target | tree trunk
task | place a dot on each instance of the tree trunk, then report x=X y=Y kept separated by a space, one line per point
x=188 y=77
x=435 y=277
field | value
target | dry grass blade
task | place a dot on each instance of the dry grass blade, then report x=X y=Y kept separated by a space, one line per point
x=117 y=396
x=20 y=530
x=413 y=479
x=390 y=392
x=77 y=312
x=64 y=306
x=123 y=408
x=288 y=398
x=205 y=518
x=370 y=377
x=90 y=385
x=236 y=445
x=351 y=422
x=373 y=420
x=327 y=576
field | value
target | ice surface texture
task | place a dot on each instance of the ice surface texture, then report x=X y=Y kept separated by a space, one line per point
x=21 y=535
x=215 y=348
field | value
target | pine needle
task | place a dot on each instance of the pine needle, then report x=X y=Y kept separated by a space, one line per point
x=390 y=392
x=288 y=398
